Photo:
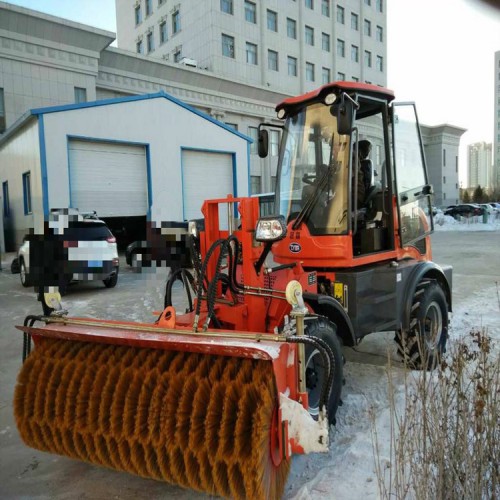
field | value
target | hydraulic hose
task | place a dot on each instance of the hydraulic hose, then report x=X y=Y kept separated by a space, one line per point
x=328 y=359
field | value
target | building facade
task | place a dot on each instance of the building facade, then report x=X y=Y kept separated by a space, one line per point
x=288 y=46
x=441 y=144
x=480 y=170
x=496 y=118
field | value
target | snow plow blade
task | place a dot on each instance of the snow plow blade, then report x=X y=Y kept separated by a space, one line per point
x=197 y=410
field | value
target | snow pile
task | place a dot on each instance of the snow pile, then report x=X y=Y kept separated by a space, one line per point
x=312 y=435
x=447 y=223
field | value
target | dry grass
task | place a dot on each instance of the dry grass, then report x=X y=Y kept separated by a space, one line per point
x=445 y=433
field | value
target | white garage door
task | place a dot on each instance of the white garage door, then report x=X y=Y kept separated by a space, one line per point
x=205 y=176
x=108 y=178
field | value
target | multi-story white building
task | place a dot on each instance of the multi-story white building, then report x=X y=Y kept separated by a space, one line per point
x=441 y=145
x=291 y=46
x=496 y=136
x=480 y=166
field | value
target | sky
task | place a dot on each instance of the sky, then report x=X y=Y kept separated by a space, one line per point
x=440 y=55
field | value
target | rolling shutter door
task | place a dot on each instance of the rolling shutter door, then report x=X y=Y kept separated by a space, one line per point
x=205 y=176
x=108 y=178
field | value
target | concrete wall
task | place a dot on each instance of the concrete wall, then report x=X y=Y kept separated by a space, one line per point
x=19 y=155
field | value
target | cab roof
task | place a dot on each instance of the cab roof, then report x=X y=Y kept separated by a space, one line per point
x=336 y=88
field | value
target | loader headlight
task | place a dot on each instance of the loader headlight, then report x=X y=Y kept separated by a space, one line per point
x=272 y=228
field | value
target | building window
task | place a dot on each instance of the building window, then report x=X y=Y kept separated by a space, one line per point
x=161 y=2
x=340 y=48
x=177 y=56
x=80 y=94
x=6 y=202
x=367 y=26
x=253 y=133
x=444 y=179
x=309 y=4
x=380 y=63
x=340 y=76
x=234 y=126
x=149 y=7
x=291 y=28
x=228 y=46
x=163 y=32
x=444 y=157
x=274 y=142
x=176 y=22
x=138 y=15
x=27 y=192
x=325 y=75
x=380 y=34
x=138 y=47
x=354 y=53
x=150 y=42
x=340 y=14
x=354 y=21
x=272 y=60
x=309 y=35
x=292 y=66
x=368 y=2
x=354 y=78
x=251 y=53
x=325 y=7
x=368 y=59
x=444 y=196
x=2 y=112
x=380 y=5
x=325 y=42
x=226 y=6
x=272 y=20
x=309 y=72
x=255 y=184
x=250 y=12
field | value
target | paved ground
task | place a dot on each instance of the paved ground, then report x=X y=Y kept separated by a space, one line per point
x=27 y=473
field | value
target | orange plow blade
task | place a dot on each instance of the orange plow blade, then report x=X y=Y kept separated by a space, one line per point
x=197 y=410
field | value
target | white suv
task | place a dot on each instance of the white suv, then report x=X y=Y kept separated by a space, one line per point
x=86 y=250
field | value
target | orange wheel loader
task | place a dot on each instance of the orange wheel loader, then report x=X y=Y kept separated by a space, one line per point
x=219 y=397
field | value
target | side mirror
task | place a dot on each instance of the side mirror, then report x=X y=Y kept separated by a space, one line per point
x=263 y=145
x=345 y=116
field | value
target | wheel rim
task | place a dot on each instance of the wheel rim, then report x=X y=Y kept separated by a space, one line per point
x=22 y=272
x=433 y=325
x=314 y=374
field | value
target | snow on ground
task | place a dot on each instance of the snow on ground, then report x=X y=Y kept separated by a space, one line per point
x=447 y=223
x=347 y=471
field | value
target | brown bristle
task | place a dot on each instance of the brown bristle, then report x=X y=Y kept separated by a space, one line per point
x=192 y=471
x=197 y=432
x=221 y=481
x=236 y=482
x=200 y=421
x=228 y=423
x=184 y=412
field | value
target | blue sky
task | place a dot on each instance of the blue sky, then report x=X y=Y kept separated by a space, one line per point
x=440 y=55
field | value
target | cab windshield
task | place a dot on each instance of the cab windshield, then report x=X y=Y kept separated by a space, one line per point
x=314 y=172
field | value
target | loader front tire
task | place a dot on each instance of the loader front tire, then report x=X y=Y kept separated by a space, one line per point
x=423 y=344
x=316 y=371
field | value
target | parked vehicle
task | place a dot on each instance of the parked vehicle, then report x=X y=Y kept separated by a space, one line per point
x=88 y=250
x=464 y=210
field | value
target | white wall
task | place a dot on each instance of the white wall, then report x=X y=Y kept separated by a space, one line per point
x=165 y=126
x=22 y=154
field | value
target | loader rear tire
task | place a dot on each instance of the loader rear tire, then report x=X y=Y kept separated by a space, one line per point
x=324 y=329
x=423 y=344
x=203 y=422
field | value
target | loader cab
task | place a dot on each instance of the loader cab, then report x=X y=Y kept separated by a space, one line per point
x=338 y=200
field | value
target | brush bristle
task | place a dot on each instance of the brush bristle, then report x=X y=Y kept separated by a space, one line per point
x=199 y=421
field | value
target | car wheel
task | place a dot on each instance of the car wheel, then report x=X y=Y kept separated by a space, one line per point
x=24 y=275
x=112 y=280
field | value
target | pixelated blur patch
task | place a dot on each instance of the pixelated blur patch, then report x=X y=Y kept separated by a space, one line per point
x=166 y=246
